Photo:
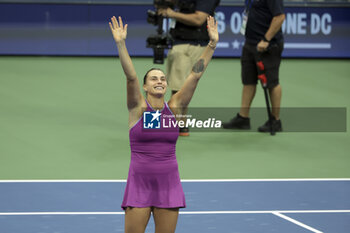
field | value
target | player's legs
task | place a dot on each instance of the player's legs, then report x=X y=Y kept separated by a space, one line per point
x=165 y=220
x=136 y=219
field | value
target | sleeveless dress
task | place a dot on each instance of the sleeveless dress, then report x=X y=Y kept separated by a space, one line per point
x=153 y=179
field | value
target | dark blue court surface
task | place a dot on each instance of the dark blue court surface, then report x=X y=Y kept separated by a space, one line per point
x=284 y=206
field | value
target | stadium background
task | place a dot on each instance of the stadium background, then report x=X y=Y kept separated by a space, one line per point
x=63 y=111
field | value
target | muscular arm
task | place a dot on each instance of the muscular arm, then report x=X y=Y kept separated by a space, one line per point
x=275 y=26
x=134 y=95
x=119 y=32
x=183 y=97
x=126 y=62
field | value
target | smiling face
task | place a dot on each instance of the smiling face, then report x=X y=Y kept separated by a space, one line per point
x=155 y=83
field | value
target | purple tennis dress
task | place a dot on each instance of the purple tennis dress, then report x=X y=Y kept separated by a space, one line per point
x=153 y=179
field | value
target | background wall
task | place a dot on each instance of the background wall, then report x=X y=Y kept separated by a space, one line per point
x=80 y=28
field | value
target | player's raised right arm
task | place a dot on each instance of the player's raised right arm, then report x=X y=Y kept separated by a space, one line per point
x=119 y=31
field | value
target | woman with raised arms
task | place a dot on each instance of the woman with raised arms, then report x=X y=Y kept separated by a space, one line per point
x=153 y=184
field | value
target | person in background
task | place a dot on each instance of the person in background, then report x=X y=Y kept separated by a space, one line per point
x=262 y=22
x=190 y=39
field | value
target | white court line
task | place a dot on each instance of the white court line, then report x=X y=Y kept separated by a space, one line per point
x=59 y=213
x=265 y=211
x=296 y=222
x=181 y=212
x=62 y=181
x=183 y=180
x=265 y=180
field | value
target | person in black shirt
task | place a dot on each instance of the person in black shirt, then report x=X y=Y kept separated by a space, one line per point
x=190 y=39
x=264 y=39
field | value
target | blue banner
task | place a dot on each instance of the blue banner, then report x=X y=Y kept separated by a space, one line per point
x=308 y=32
x=73 y=29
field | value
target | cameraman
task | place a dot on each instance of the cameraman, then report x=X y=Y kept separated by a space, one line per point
x=190 y=39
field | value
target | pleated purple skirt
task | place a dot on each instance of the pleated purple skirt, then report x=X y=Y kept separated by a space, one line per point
x=153 y=179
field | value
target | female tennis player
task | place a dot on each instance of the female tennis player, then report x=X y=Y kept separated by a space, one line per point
x=153 y=184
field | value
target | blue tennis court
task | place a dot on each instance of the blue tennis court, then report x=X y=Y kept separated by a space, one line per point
x=225 y=206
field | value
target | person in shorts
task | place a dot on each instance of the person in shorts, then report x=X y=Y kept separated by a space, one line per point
x=263 y=40
x=190 y=39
